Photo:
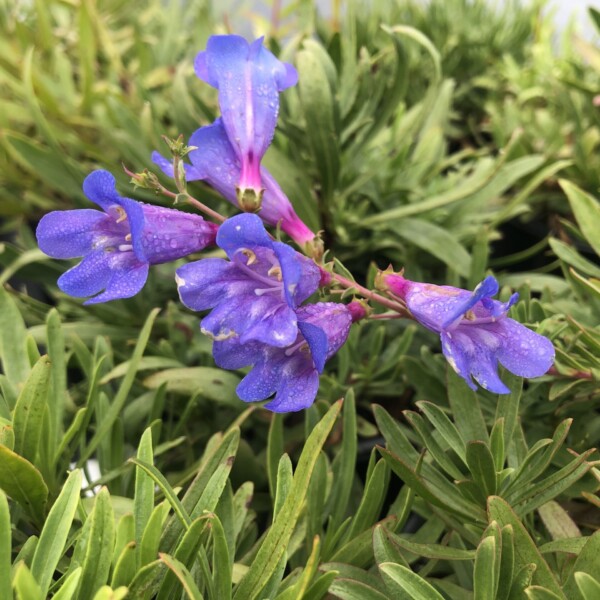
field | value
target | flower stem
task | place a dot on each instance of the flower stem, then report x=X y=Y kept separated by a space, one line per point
x=373 y=296
x=194 y=202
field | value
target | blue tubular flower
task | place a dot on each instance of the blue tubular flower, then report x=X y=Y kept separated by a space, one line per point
x=216 y=162
x=254 y=294
x=291 y=373
x=475 y=332
x=119 y=244
x=249 y=79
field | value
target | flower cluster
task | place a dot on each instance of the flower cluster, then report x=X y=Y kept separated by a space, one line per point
x=257 y=299
x=256 y=318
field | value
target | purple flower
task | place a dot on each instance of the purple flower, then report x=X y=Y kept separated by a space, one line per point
x=254 y=294
x=119 y=244
x=475 y=332
x=292 y=372
x=249 y=79
x=216 y=162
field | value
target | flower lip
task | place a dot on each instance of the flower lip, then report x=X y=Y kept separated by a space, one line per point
x=289 y=373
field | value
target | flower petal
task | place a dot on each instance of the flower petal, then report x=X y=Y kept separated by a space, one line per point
x=230 y=354
x=165 y=234
x=317 y=343
x=298 y=388
x=487 y=288
x=523 y=352
x=89 y=277
x=263 y=380
x=68 y=233
x=127 y=279
x=100 y=187
x=253 y=318
x=249 y=79
x=216 y=160
x=473 y=349
x=242 y=231
x=202 y=284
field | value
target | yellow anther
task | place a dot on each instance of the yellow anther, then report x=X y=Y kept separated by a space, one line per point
x=251 y=256
x=470 y=315
x=128 y=237
x=122 y=214
x=275 y=271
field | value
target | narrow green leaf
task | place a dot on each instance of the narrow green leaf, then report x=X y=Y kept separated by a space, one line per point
x=317 y=101
x=220 y=455
x=344 y=464
x=166 y=489
x=481 y=465
x=143 y=502
x=5 y=548
x=587 y=562
x=55 y=532
x=13 y=350
x=56 y=400
x=507 y=407
x=466 y=411
x=587 y=212
x=186 y=552
x=445 y=427
x=187 y=581
x=526 y=552
x=69 y=586
x=445 y=499
x=385 y=549
x=23 y=483
x=222 y=563
x=432 y=551
x=484 y=582
x=497 y=444
x=119 y=401
x=151 y=536
x=25 y=585
x=125 y=567
x=436 y=241
x=370 y=505
x=274 y=450
x=536 y=592
x=588 y=586
x=507 y=563
x=402 y=582
x=276 y=540
x=349 y=589
x=28 y=417
x=98 y=555
x=568 y=545
x=108 y=593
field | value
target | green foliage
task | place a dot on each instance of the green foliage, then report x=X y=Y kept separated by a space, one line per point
x=424 y=135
